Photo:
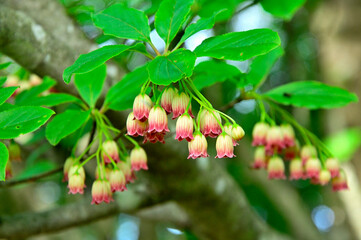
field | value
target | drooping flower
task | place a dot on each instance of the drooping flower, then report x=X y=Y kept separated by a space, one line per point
x=313 y=168
x=76 y=184
x=237 y=133
x=110 y=151
x=296 y=169
x=158 y=121
x=167 y=98
x=76 y=169
x=125 y=167
x=67 y=165
x=274 y=140
x=307 y=152
x=288 y=135
x=259 y=134
x=180 y=103
x=291 y=152
x=325 y=177
x=333 y=166
x=117 y=181
x=260 y=160
x=210 y=123
x=224 y=146
x=228 y=129
x=340 y=182
x=138 y=159
x=141 y=107
x=184 y=128
x=276 y=168
x=198 y=146
x=101 y=192
x=135 y=127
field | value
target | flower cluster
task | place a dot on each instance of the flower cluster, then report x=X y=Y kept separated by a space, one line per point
x=276 y=145
x=115 y=170
x=149 y=120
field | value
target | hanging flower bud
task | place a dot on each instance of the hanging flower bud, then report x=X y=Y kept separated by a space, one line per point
x=224 y=146
x=117 y=181
x=259 y=134
x=228 y=129
x=102 y=172
x=198 y=146
x=340 y=182
x=14 y=152
x=288 y=135
x=333 y=166
x=184 y=128
x=76 y=184
x=135 y=127
x=307 y=152
x=274 y=140
x=296 y=169
x=101 y=192
x=313 y=168
x=237 y=132
x=158 y=121
x=110 y=151
x=325 y=177
x=8 y=170
x=141 y=107
x=276 y=168
x=138 y=159
x=67 y=165
x=125 y=167
x=179 y=105
x=260 y=160
x=210 y=123
x=154 y=137
x=76 y=169
x=167 y=98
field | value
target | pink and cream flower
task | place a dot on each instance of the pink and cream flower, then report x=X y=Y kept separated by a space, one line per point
x=110 y=151
x=167 y=98
x=260 y=160
x=158 y=121
x=224 y=146
x=135 y=127
x=101 y=192
x=307 y=152
x=125 y=167
x=198 y=146
x=76 y=184
x=313 y=168
x=141 y=107
x=259 y=134
x=325 y=177
x=274 y=140
x=67 y=165
x=288 y=135
x=138 y=159
x=340 y=182
x=180 y=103
x=184 y=128
x=276 y=168
x=117 y=181
x=296 y=169
x=333 y=166
x=210 y=123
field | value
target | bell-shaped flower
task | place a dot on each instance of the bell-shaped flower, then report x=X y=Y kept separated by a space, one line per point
x=141 y=107
x=198 y=146
x=224 y=146
x=167 y=98
x=138 y=159
x=184 y=128
x=135 y=127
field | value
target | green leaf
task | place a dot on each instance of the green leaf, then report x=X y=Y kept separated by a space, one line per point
x=164 y=70
x=207 y=8
x=208 y=73
x=4 y=65
x=33 y=92
x=2 y=80
x=239 y=46
x=5 y=93
x=261 y=66
x=311 y=94
x=4 y=158
x=87 y=62
x=90 y=84
x=282 y=8
x=123 y=22
x=170 y=17
x=64 y=124
x=51 y=100
x=121 y=95
x=344 y=144
x=21 y=120
x=201 y=24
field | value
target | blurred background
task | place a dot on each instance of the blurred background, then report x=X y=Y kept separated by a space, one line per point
x=322 y=42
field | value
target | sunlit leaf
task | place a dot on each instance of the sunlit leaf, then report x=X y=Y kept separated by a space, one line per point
x=4 y=158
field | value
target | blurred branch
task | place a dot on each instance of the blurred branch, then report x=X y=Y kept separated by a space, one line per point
x=14 y=182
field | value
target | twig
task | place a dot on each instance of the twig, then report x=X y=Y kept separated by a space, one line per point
x=30 y=179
